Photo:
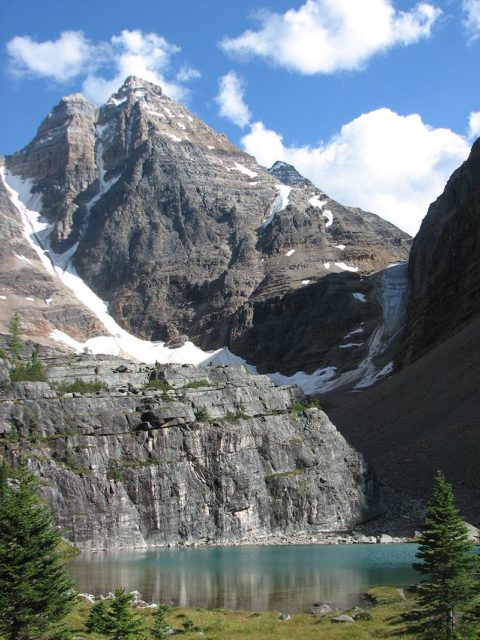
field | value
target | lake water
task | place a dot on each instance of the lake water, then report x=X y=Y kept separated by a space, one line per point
x=251 y=578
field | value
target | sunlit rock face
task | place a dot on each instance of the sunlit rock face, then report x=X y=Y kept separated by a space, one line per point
x=187 y=238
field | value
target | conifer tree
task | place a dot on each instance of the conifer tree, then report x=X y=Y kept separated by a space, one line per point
x=161 y=629
x=35 y=589
x=124 y=624
x=99 y=618
x=446 y=561
x=14 y=341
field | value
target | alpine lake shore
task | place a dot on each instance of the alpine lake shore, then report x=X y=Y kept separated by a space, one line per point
x=380 y=618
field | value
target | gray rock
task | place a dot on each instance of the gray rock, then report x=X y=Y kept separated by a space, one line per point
x=321 y=608
x=384 y=538
x=343 y=619
x=137 y=471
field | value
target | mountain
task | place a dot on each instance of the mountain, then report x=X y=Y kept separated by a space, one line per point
x=425 y=416
x=182 y=237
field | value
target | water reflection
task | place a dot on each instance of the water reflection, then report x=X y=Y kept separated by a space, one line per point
x=251 y=578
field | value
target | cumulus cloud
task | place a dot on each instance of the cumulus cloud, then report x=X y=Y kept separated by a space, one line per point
x=60 y=60
x=325 y=36
x=471 y=12
x=392 y=165
x=230 y=99
x=102 y=66
x=474 y=125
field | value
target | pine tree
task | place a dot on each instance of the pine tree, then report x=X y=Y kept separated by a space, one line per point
x=161 y=629
x=14 y=342
x=99 y=618
x=35 y=589
x=447 y=561
x=123 y=622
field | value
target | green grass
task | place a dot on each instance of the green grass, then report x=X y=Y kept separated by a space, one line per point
x=161 y=385
x=197 y=384
x=286 y=474
x=385 y=595
x=301 y=406
x=78 y=386
x=235 y=625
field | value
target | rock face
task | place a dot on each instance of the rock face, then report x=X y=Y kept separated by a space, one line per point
x=213 y=455
x=26 y=286
x=445 y=263
x=185 y=235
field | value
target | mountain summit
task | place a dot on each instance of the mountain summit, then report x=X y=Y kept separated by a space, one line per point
x=188 y=238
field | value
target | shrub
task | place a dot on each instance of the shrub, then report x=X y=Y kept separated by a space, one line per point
x=314 y=403
x=202 y=415
x=196 y=384
x=79 y=386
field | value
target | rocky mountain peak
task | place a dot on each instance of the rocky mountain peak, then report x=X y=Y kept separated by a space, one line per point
x=287 y=174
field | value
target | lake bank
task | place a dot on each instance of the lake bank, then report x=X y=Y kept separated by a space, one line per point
x=254 y=578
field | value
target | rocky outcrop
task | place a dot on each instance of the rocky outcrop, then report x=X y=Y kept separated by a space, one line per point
x=183 y=233
x=210 y=455
x=445 y=263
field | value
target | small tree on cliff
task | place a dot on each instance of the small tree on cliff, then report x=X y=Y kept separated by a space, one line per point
x=446 y=559
x=35 y=589
x=14 y=340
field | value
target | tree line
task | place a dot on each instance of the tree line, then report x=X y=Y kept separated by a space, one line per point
x=36 y=591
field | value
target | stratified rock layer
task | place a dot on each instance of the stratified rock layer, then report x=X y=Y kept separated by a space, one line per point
x=217 y=455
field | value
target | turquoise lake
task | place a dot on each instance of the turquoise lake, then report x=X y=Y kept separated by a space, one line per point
x=252 y=578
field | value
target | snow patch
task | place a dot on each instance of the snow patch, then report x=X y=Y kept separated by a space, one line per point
x=326 y=265
x=116 y=101
x=340 y=246
x=181 y=125
x=174 y=138
x=209 y=146
x=308 y=382
x=279 y=204
x=48 y=301
x=306 y=281
x=361 y=297
x=22 y=258
x=290 y=252
x=29 y=299
x=345 y=267
x=3 y=297
x=316 y=202
x=350 y=344
x=245 y=170
x=329 y=216
x=354 y=332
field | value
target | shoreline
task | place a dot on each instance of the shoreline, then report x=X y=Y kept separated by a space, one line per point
x=325 y=538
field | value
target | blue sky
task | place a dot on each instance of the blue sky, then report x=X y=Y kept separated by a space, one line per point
x=377 y=101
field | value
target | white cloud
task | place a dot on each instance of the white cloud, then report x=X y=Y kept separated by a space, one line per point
x=103 y=66
x=325 y=36
x=392 y=165
x=60 y=60
x=474 y=125
x=471 y=10
x=188 y=73
x=231 y=101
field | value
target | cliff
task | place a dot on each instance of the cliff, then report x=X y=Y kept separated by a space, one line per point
x=210 y=455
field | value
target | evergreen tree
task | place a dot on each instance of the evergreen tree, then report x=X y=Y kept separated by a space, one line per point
x=447 y=561
x=161 y=629
x=14 y=341
x=124 y=624
x=99 y=618
x=35 y=589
